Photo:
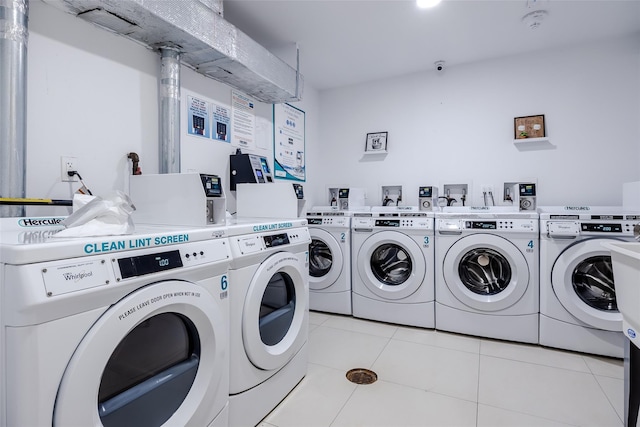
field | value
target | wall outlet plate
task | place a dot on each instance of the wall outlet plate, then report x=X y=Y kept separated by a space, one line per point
x=68 y=164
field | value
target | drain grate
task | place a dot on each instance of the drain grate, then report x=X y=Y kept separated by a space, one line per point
x=362 y=376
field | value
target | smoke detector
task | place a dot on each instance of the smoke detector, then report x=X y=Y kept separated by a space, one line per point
x=534 y=19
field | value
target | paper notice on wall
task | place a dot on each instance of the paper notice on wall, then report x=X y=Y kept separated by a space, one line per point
x=221 y=123
x=289 y=142
x=208 y=119
x=243 y=120
x=197 y=117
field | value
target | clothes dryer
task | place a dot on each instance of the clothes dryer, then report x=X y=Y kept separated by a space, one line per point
x=578 y=309
x=330 y=260
x=393 y=266
x=113 y=331
x=487 y=273
x=269 y=297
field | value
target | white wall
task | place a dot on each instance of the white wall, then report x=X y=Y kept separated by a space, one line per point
x=93 y=95
x=457 y=126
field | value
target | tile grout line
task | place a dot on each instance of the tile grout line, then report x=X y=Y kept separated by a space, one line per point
x=358 y=386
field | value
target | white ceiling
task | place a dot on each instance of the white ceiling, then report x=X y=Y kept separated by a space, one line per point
x=344 y=42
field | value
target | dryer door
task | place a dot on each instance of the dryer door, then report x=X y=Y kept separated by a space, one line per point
x=156 y=357
x=326 y=259
x=391 y=265
x=486 y=272
x=274 y=319
x=582 y=279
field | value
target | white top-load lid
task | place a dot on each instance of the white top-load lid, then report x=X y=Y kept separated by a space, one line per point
x=31 y=240
x=626 y=269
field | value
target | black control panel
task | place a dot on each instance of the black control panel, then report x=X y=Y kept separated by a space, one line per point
x=481 y=225
x=314 y=221
x=212 y=185
x=148 y=264
x=602 y=228
x=276 y=240
x=387 y=223
x=425 y=191
x=299 y=191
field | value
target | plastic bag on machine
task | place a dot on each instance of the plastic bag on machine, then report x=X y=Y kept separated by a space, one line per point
x=99 y=216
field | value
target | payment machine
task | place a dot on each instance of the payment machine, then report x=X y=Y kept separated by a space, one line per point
x=249 y=169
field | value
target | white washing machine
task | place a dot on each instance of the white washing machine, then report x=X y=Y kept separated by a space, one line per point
x=330 y=260
x=269 y=298
x=113 y=331
x=393 y=266
x=487 y=273
x=578 y=309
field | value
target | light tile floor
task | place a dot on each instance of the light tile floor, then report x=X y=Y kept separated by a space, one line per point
x=433 y=378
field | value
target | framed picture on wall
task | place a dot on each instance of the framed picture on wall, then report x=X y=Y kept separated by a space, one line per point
x=376 y=142
x=529 y=127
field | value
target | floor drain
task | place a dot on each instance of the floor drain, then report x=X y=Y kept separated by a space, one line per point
x=362 y=376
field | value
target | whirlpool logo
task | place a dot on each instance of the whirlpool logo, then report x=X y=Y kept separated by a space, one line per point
x=39 y=222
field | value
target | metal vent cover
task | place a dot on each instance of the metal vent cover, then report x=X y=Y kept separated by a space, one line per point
x=206 y=41
x=362 y=376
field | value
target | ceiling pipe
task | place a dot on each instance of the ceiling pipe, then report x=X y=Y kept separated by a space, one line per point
x=14 y=34
x=169 y=110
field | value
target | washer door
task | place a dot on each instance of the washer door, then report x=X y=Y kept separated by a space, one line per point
x=391 y=265
x=325 y=259
x=154 y=358
x=273 y=319
x=486 y=272
x=582 y=279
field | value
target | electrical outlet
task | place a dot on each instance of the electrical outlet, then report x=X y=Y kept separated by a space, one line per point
x=68 y=164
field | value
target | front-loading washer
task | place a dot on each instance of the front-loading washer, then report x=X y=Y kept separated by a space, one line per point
x=114 y=330
x=578 y=309
x=330 y=260
x=269 y=315
x=487 y=273
x=393 y=266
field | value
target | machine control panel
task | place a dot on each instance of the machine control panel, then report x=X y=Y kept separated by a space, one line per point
x=188 y=255
x=448 y=225
x=562 y=229
x=299 y=190
x=423 y=223
x=246 y=245
x=212 y=185
x=77 y=274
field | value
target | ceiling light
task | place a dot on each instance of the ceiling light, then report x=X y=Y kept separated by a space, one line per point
x=424 y=4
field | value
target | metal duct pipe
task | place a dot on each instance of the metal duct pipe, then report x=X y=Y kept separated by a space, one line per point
x=169 y=110
x=14 y=18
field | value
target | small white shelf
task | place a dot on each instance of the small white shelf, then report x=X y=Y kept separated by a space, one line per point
x=367 y=153
x=533 y=144
x=527 y=140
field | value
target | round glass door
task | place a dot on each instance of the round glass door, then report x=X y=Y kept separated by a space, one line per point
x=391 y=265
x=148 y=360
x=162 y=349
x=582 y=279
x=277 y=308
x=325 y=259
x=486 y=272
x=275 y=311
x=320 y=258
x=592 y=281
